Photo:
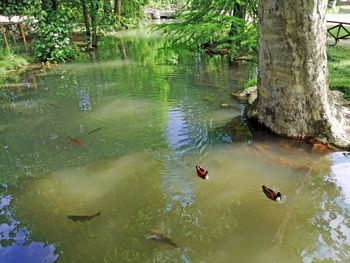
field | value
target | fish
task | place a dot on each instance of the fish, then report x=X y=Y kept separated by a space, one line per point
x=202 y=173
x=271 y=194
x=75 y=141
x=83 y=218
x=53 y=105
x=97 y=129
x=155 y=235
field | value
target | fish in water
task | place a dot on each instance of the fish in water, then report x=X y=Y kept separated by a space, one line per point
x=202 y=173
x=271 y=194
x=75 y=141
x=83 y=218
x=97 y=129
x=160 y=237
x=53 y=105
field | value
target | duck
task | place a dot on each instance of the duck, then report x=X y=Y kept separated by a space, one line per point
x=202 y=173
x=271 y=194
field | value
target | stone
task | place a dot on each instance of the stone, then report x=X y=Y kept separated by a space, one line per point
x=250 y=94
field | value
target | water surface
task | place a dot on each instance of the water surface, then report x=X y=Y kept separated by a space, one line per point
x=145 y=117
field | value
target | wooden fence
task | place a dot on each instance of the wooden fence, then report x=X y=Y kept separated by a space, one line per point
x=5 y=29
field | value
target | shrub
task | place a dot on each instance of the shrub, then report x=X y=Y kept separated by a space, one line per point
x=52 y=37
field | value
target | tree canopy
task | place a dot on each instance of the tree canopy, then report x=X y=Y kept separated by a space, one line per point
x=216 y=26
x=54 y=20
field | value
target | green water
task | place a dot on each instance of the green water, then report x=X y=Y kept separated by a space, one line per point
x=145 y=117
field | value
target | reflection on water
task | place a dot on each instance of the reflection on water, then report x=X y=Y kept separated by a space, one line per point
x=146 y=116
x=15 y=245
x=326 y=235
x=333 y=217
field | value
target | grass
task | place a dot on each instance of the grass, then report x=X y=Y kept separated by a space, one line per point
x=251 y=82
x=9 y=60
x=342 y=32
x=339 y=68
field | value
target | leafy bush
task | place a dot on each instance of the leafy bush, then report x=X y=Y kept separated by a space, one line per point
x=52 y=37
x=216 y=26
x=14 y=7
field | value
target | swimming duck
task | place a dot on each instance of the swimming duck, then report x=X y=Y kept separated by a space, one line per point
x=202 y=173
x=271 y=194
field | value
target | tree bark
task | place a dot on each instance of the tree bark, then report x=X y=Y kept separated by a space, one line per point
x=87 y=22
x=55 y=5
x=239 y=10
x=293 y=94
x=94 y=8
x=94 y=30
x=117 y=7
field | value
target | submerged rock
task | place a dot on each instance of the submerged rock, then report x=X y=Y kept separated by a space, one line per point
x=250 y=94
x=237 y=130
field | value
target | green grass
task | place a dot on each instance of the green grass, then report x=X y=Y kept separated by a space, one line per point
x=342 y=32
x=9 y=60
x=339 y=68
x=251 y=82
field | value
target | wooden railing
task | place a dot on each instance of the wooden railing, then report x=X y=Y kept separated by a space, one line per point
x=3 y=25
x=341 y=31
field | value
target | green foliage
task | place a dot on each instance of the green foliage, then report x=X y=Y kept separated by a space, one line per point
x=52 y=37
x=339 y=68
x=251 y=82
x=330 y=3
x=216 y=26
x=8 y=60
x=131 y=14
x=15 y=7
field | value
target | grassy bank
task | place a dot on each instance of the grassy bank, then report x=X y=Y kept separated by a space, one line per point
x=339 y=68
x=334 y=31
x=10 y=61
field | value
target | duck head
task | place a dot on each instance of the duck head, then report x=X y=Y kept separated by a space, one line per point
x=278 y=197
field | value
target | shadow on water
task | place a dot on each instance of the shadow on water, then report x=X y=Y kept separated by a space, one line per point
x=145 y=117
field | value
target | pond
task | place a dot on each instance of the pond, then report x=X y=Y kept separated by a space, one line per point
x=98 y=154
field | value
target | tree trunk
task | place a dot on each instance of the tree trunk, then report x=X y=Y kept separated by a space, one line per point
x=293 y=94
x=239 y=10
x=94 y=30
x=94 y=8
x=55 y=4
x=117 y=7
x=87 y=22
